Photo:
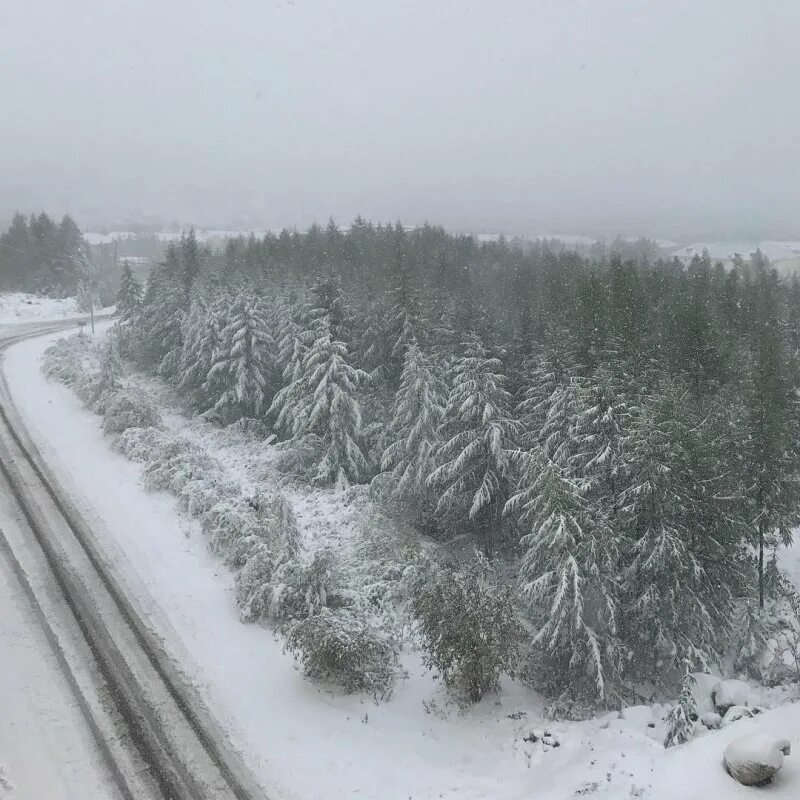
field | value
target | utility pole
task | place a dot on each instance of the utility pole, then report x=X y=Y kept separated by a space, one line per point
x=87 y=268
x=91 y=299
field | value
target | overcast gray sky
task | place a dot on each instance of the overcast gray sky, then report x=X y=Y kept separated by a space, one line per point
x=676 y=117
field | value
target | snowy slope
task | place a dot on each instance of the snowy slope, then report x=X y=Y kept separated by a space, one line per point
x=697 y=767
x=306 y=742
x=21 y=307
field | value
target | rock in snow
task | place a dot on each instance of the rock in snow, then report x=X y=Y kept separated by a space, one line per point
x=711 y=720
x=729 y=693
x=735 y=713
x=753 y=760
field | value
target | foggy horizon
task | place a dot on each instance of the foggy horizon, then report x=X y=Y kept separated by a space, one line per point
x=573 y=117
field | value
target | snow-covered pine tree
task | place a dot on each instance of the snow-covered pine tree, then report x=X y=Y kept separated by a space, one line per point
x=682 y=719
x=129 y=296
x=544 y=375
x=403 y=325
x=374 y=348
x=567 y=578
x=321 y=404
x=190 y=264
x=291 y=337
x=773 y=426
x=327 y=302
x=202 y=338
x=414 y=428
x=240 y=373
x=599 y=427
x=159 y=325
x=671 y=610
x=478 y=432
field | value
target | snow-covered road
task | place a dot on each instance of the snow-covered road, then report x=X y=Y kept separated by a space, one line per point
x=152 y=732
x=46 y=748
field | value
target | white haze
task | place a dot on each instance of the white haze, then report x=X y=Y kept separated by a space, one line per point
x=667 y=118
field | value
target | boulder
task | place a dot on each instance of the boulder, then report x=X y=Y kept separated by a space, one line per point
x=734 y=714
x=711 y=720
x=729 y=693
x=753 y=760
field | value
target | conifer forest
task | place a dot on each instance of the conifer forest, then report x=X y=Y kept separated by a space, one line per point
x=608 y=448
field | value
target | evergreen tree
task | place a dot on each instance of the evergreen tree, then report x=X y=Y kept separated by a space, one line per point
x=546 y=374
x=189 y=264
x=160 y=324
x=202 y=340
x=240 y=372
x=414 y=428
x=478 y=432
x=567 y=576
x=682 y=719
x=773 y=458
x=321 y=404
x=129 y=296
x=673 y=610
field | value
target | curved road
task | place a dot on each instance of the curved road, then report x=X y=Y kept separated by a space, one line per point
x=154 y=736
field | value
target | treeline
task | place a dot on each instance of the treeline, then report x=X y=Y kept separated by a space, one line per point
x=621 y=434
x=42 y=256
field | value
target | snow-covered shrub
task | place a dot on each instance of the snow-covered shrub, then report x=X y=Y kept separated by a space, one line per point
x=250 y=427
x=107 y=382
x=682 y=719
x=254 y=586
x=468 y=624
x=177 y=465
x=86 y=385
x=200 y=496
x=64 y=360
x=301 y=590
x=296 y=458
x=381 y=558
x=339 y=646
x=236 y=531
x=142 y=444
x=127 y=410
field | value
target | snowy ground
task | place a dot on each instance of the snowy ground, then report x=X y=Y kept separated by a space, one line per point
x=306 y=742
x=21 y=307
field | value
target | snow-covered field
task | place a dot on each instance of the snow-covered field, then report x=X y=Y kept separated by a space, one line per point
x=305 y=741
x=21 y=307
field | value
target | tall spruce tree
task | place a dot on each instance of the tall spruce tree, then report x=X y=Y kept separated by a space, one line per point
x=241 y=371
x=567 y=577
x=129 y=296
x=773 y=456
x=413 y=433
x=478 y=431
x=320 y=404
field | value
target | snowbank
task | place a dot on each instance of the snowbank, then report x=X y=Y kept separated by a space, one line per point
x=695 y=771
x=21 y=307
